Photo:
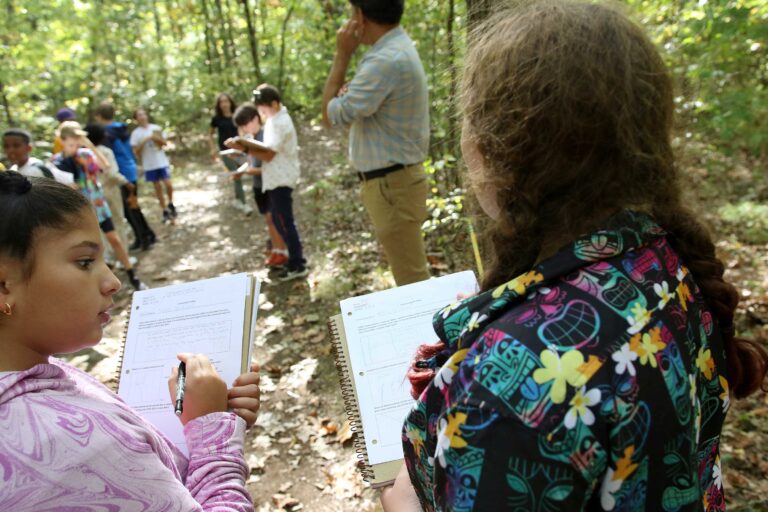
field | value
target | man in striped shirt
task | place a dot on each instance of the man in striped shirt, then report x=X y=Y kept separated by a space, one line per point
x=386 y=109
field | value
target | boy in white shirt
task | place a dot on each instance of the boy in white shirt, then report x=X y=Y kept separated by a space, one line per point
x=147 y=142
x=280 y=173
x=17 y=146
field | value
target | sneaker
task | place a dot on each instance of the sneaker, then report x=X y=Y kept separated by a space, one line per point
x=166 y=216
x=135 y=246
x=133 y=259
x=276 y=260
x=173 y=210
x=247 y=210
x=290 y=275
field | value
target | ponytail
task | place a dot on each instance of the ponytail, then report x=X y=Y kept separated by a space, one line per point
x=747 y=359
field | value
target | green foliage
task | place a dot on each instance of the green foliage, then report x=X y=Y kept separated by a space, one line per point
x=176 y=55
x=748 y=220
x=717 y=50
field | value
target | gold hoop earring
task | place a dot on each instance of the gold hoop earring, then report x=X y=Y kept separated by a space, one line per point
x=7 y=309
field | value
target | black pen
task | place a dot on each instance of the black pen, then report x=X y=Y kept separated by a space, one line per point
x=180 y=388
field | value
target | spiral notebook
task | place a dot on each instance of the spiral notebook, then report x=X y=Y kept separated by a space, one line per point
x=215 y=317
x=375 y=338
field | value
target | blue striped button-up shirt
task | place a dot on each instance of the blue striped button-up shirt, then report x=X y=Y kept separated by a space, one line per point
x=386 y=106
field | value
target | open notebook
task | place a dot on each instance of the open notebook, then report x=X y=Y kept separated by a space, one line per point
x=375 y=338
x=215 y=317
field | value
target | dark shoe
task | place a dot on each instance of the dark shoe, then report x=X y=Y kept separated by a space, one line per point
x=173 y=210
x=166 y=216
x=290 y=275
x=135 y=246
x=138 y=285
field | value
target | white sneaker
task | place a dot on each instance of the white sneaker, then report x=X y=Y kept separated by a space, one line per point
x=237 y=205
x=133 y=259
x=247 y=209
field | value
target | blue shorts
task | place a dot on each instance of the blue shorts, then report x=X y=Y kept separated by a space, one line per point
x=157 y=174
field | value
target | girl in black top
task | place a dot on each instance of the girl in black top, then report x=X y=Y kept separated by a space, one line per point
x=223 y=127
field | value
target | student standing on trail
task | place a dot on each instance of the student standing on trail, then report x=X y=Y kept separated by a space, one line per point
x=147 y=141
x=64 y=114
x=111 y=179
x=386 y=109
x=86 y=164
x=280 y=173
x=118 y=140
x=249 y=124
x=223 y=127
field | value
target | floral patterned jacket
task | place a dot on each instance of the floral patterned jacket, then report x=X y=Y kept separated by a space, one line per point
x=596 y=381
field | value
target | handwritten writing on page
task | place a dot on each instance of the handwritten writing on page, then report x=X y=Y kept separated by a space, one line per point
x=383 y=331
x=199 y=317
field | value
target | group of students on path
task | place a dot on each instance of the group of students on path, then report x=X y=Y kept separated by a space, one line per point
x=274 y=166
x=99 y=162
x=593 y=371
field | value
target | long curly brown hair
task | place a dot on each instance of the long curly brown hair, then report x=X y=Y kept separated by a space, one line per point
x=571 y=107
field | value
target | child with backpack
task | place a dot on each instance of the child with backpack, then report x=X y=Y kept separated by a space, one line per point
x=86 y=164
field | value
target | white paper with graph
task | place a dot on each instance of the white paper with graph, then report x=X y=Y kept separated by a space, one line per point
x=214 y=317
x=383 y=331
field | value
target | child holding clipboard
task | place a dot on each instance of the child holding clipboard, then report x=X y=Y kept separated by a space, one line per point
x=66 y=440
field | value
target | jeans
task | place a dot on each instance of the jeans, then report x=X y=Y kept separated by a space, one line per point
x=281 y=207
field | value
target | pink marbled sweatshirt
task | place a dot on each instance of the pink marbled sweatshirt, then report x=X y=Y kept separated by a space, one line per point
x=68 y=443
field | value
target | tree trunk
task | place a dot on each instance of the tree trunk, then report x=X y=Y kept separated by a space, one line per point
x=222 y=34
x=452 y=135
x=230 y=35
x=282 y=48
x=159 y=41
x=6 y=105
x=211 y=52
x=252 y=39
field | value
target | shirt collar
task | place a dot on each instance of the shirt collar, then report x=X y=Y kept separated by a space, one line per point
x=384 y=40
x=623 y=232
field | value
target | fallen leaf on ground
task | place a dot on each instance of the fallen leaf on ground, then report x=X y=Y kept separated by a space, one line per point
x=285 y=501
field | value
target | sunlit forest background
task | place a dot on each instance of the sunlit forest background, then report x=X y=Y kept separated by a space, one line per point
x=174 y=56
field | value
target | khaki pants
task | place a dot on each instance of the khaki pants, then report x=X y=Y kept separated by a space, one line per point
x=397 y=206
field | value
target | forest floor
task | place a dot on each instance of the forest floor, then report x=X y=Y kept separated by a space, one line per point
x=300 y=451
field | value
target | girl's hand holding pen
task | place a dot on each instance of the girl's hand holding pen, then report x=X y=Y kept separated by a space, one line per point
x=204 y=391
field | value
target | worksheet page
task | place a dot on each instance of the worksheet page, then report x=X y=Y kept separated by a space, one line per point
x=204 y=317
x=383 y=331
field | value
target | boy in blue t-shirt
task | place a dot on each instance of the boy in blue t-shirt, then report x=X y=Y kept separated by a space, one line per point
x=118 y=141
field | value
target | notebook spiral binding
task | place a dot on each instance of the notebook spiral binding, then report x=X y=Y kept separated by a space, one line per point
x=350 y=403
x=116 y=379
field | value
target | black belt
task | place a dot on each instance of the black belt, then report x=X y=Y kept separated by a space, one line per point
x=380 y=173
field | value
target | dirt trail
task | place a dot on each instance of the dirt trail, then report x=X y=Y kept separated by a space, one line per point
x=299 y=452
